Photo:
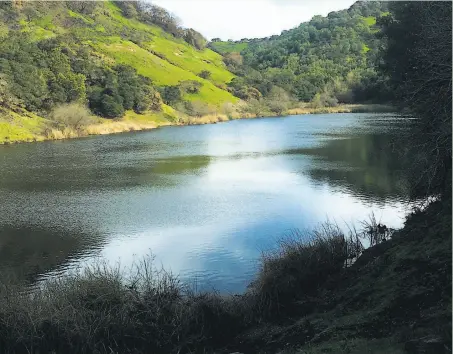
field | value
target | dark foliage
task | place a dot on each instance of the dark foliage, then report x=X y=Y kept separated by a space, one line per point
x=171 y=94
x=418 y=60
x=333 y=55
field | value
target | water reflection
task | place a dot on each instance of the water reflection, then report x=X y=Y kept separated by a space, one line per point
x=367 y=166
x=26 y=252
x=205 y=200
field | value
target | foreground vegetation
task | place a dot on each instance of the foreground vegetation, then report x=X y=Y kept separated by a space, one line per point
x=316 y=293
x=311 y=293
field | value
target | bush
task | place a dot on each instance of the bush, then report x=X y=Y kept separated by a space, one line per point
x=171 y=94
x=205 y=74
x=72 y=115
x=300 y=266
x=322 y=100
x=196 y=108
x=190 y=86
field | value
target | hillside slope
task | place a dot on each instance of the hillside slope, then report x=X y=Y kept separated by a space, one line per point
x=328 y=60
x=54 y=53
x=131 y=61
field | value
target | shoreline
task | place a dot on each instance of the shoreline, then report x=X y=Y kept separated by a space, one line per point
x=305 y=311
x=110 y=127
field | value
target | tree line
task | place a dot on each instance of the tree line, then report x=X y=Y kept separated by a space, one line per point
x=155 y=15
x=328 y=60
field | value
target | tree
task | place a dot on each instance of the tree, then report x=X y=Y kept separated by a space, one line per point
x=418 y=60
x=171 y=94
x=148 y=99
x=195 y=38
x=82 y=6
x=110 y=106
x=278 y=100
x=128 y=8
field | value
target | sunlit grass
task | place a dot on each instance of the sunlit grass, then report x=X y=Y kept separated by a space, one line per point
x=190 y=59
x=15 y=127
x=229 y=47
x=162 y=72
x=370 y=20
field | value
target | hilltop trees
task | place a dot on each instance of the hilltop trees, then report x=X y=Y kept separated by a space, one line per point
x=331 y=56
x=158 y=16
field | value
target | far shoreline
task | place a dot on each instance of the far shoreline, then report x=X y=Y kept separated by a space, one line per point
x=111 y=127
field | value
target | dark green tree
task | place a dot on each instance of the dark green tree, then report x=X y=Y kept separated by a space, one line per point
x=418 y=60
x=171 y=94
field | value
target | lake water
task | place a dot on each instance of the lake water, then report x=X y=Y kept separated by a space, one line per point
x=205 y=200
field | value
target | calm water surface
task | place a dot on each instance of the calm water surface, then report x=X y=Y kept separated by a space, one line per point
x=205 y=200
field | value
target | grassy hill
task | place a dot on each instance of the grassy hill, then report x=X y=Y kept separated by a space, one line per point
x=228 y=47
x=327 y=60
x=107 y=38
x=126 y=59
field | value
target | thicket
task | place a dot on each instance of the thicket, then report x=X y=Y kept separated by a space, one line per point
x=418 y=60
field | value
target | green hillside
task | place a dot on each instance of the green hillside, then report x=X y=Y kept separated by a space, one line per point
x=72 y=63
x=228 y=47
x=56 y=53
x=326 y=61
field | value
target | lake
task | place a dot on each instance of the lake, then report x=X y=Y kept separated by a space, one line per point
x=205 y=200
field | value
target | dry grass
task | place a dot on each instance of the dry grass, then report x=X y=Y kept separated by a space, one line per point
x=302 y=263
x=60 y=134
x=146 y=122
x=352 y=108
x=102 y=128
x=107 y=310
x=101 y=310
x=118 y=126
x=207 y=119
x=146 y=310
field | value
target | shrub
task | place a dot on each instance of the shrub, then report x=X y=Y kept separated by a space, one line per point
x=171 y=94
x=322 y=100
x=205 y=74
x=300 y=266
x=196 y=108
x=102 y=310
x=72 y=115
x=190 y=86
